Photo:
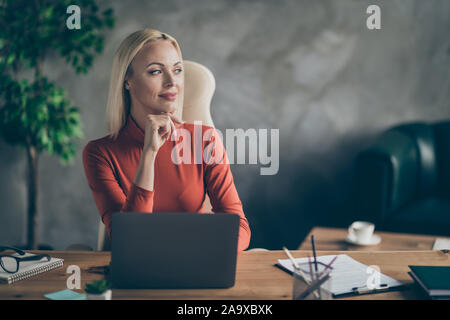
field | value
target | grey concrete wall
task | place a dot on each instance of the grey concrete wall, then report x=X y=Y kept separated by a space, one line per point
x=310 y=68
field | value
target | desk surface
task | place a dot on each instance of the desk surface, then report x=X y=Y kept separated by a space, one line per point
x=334 y=239
x=256 y=276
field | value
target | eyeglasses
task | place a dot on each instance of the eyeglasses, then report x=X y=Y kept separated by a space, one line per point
x=11 y=263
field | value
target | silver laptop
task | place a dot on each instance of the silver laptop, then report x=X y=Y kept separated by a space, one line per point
x=173 y=250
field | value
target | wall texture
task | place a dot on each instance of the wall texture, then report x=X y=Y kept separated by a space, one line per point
x=309 y=68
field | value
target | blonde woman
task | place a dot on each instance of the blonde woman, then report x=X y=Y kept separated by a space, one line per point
x=131 y=169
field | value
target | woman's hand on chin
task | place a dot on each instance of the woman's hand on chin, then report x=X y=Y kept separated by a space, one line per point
x=158 y=129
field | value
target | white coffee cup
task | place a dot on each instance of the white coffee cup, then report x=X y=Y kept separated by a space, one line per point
x=361 y=231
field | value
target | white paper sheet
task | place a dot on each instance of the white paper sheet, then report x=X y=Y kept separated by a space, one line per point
x=347 y=273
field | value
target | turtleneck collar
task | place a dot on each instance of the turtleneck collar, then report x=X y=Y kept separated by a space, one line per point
x=132 y=129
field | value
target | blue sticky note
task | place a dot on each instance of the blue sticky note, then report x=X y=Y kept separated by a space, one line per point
x=65 y=295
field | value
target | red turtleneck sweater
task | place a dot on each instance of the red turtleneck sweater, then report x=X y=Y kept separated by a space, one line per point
x=110 y=166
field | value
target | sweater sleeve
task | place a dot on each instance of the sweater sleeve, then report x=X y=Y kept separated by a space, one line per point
x=108 y=194
x=221 y=189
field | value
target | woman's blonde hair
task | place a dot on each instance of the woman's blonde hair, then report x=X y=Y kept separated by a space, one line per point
x=119 y=101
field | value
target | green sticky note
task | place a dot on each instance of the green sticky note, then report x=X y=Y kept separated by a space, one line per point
x=65 y=295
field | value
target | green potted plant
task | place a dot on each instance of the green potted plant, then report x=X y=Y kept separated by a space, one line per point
x=99 y=290
x=35 y=114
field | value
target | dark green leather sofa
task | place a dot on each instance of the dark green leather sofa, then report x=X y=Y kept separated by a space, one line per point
x=403 y=180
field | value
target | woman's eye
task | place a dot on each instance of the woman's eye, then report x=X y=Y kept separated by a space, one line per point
x=178 y=70
x=152 y=72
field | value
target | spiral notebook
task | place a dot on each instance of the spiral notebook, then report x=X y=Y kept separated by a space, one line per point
x=29 y=268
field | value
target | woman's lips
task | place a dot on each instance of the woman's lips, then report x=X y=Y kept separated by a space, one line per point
x=169 y=96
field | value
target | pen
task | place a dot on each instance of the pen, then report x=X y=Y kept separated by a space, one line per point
x=331 y=262
x=291 y=257
x=328 y=266
x=314 y=252
x=295 y=265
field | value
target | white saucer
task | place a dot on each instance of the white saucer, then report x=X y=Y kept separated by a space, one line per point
x=373 y=241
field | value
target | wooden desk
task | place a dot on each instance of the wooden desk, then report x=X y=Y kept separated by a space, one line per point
x=256 y=276
x=333 y=239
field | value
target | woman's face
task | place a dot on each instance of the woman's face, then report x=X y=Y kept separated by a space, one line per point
x=157 y=80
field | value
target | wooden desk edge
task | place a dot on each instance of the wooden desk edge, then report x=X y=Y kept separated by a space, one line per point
x=266 y=285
